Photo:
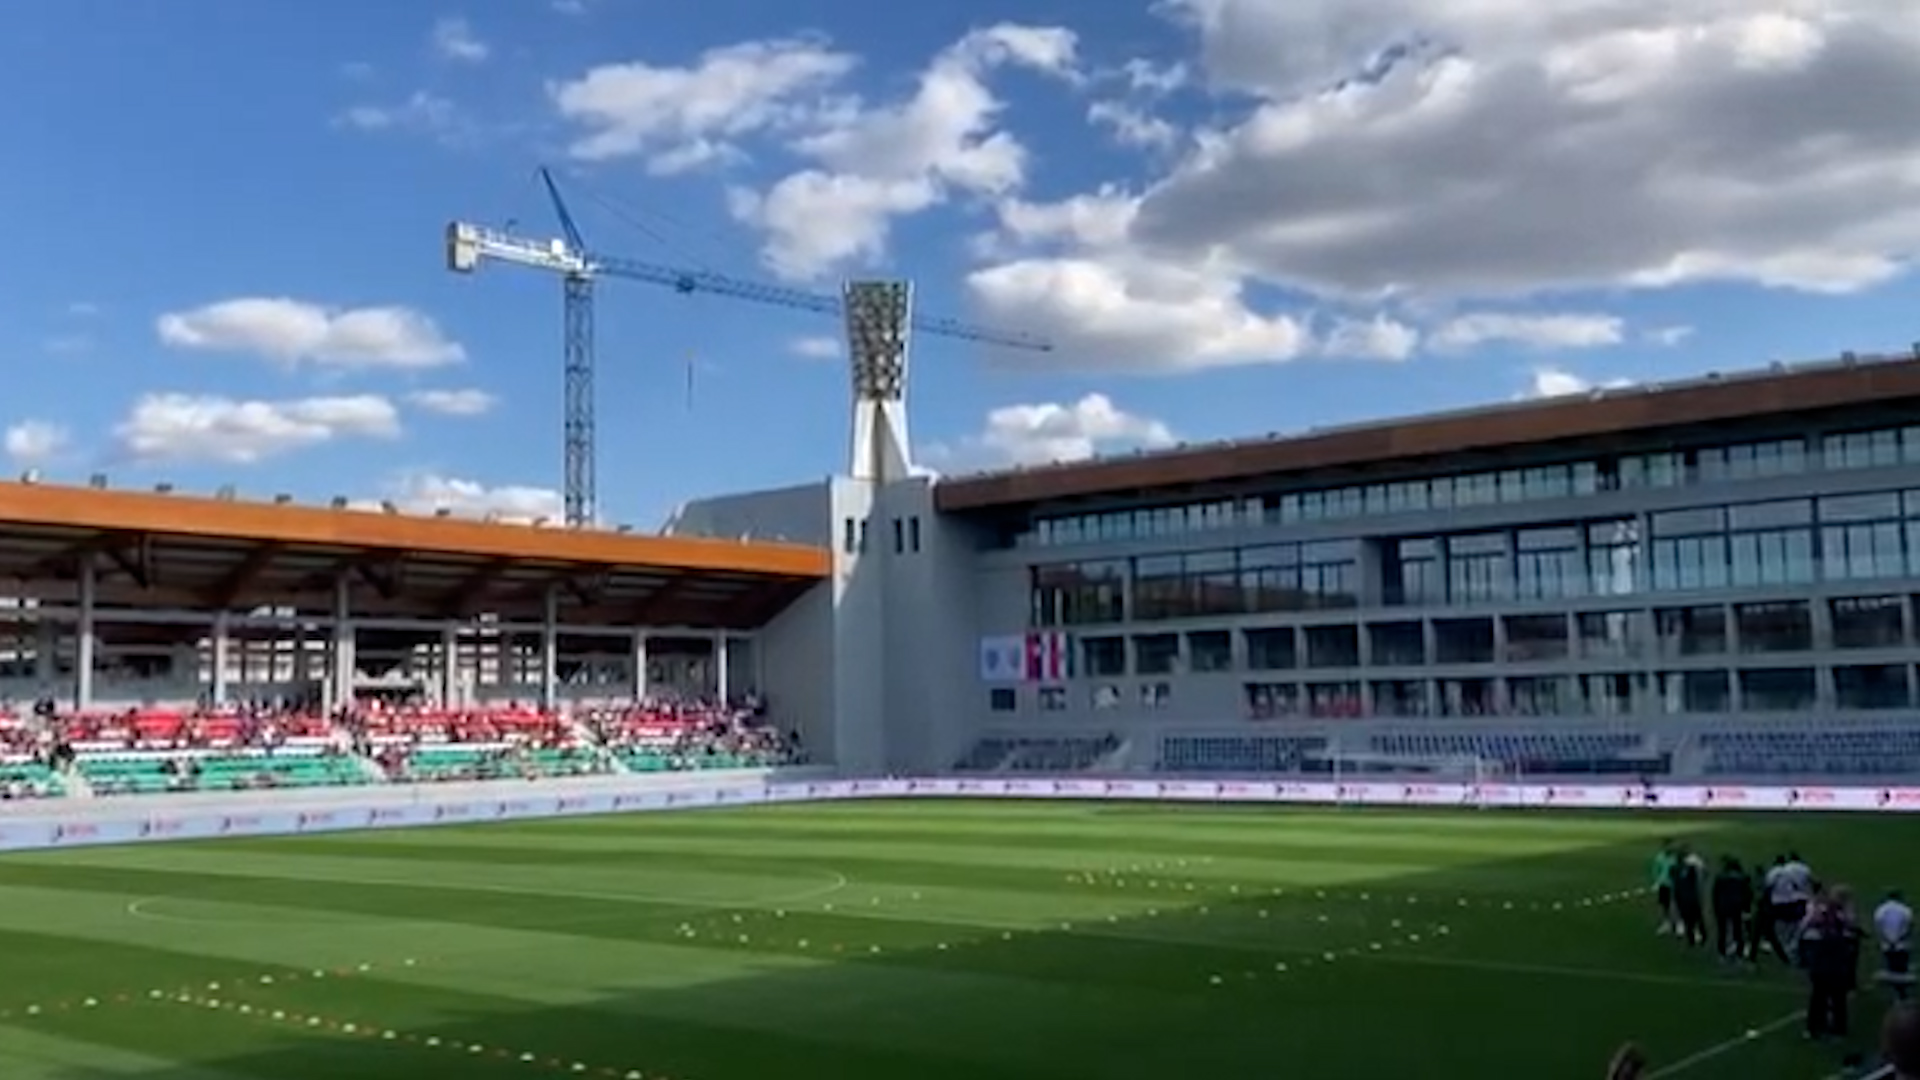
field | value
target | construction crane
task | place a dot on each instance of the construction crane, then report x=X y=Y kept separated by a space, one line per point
x=469 y=245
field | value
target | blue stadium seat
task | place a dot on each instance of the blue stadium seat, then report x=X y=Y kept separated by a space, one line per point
x=1812 y=751
x=1238 y=753
x=1037 y=753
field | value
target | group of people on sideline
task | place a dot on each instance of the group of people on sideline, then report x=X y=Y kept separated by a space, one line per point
x=1785 y=911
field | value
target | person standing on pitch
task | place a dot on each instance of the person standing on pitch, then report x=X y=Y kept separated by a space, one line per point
x=1776 y=895
x=1797 y=890
x=1893 y=925
x=1732 y=911
x=1688 y=870
x=1829 y=946
x=1663 y=863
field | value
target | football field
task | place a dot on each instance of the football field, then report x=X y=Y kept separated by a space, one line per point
x=922 y=940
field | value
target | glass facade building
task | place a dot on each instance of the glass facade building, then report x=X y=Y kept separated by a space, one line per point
x=1764 y=566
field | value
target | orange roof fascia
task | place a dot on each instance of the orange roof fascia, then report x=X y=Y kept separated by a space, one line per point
x=188 y=516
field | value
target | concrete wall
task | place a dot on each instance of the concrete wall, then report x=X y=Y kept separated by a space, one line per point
x=795 y=515
x=861 y=635
x=796 y=649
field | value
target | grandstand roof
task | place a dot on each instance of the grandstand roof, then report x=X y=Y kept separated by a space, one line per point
x=1602 y=414
x=157 y=550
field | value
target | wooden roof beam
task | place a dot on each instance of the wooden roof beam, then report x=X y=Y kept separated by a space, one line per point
x=650 y=607
x=457 y=601
x=224 y=593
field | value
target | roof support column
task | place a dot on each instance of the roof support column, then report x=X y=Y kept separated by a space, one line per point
x=550 y=649
x=302 y=662
x=85 y=635
x=222 y=648
x=449 y=666
x=640 y=665
x=720 y=668
x=45 y=640
x=341 y=661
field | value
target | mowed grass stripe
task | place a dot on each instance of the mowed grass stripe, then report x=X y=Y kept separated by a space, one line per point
x=1346 y=829
x=1066 y=847
x=901 y=934
x=873 y=865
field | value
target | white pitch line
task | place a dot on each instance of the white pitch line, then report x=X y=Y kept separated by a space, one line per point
x=1719 y=1048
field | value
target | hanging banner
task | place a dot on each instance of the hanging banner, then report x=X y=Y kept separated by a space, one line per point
x=1003 y=659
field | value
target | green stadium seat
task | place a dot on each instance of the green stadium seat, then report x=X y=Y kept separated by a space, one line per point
x=114 y=775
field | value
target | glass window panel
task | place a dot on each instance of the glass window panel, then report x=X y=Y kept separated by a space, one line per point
x=1689 y=522
x=1270 y=555
x=1872 y=506
x=1548 y=539
x=1770 y=515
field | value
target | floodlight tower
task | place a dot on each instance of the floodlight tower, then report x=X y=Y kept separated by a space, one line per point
x=878 y=326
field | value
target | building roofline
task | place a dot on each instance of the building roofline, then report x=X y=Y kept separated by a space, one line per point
x=1777 y=389
x=187 y=516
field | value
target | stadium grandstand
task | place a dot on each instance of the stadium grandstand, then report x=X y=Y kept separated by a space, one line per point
x=155 y=642
x=1712 y=579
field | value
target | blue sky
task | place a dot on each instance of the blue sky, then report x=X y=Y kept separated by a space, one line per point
x=1232 y=217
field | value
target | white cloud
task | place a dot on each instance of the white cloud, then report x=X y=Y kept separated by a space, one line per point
x=1152 y=79
x=454 y=39
x=1670 y=336
x=1555 y=331
x=421 y=113
x=221 y=430
x=1050 y=432
x=463 y=402
x=431 y=492
x=1133 y=126
x=1500 y=148
x=679 y=117
x=1378 y=338
x=1548 y=382
x=872 y=163
x=816 y=348
x=1073 y=280
x=1125 y=314
x=296 y=331
x=36 y=442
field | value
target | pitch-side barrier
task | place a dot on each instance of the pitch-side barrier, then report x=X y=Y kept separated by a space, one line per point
x=136 y=819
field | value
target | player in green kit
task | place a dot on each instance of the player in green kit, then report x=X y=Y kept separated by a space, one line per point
x=1664 y=863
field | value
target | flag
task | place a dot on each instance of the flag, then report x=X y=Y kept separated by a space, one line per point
x=1003 y=659
x=1046 y=656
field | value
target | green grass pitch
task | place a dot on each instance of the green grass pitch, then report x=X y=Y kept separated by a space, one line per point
x=921 y=940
